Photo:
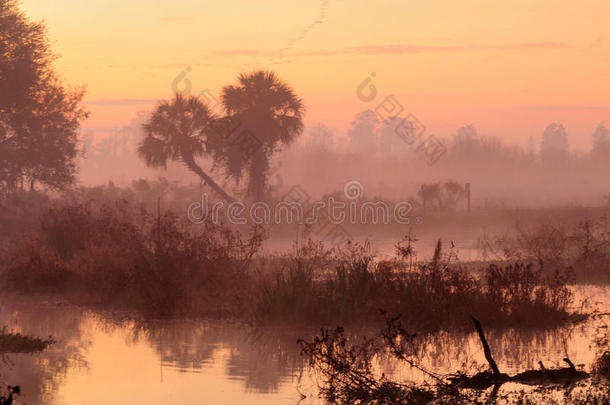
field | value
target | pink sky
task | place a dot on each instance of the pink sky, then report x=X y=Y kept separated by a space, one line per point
x=509 y=68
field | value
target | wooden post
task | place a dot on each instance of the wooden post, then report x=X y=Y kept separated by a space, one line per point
x=468 y=194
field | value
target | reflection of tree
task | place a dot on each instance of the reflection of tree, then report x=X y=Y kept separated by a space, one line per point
x=184 y=345
x=40 y=375
x=263 y=359
x=514 y=350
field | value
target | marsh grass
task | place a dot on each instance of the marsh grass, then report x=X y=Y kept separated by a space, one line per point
x=161 y=266
x=350 y=285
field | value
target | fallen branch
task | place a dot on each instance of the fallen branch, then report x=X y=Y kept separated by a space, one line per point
x=544 y=376
x=486 y=349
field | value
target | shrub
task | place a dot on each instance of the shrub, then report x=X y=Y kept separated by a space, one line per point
x=120 y=255
x=31 y=266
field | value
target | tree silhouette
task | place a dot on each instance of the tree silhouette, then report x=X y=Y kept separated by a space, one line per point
x=39 y=118
x=554 y=144
x=466 y=143
x=601 y=142
x=269 y=110
x=320 y=139
x=363 y=132
x=178 y=130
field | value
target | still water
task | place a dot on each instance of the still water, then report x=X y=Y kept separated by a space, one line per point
x=101 y=358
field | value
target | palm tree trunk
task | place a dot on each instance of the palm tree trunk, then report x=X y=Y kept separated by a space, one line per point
x=258 y=175
x=190 y=163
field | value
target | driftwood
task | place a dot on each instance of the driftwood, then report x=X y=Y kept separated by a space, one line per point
x=543 y=376
x=565 y=375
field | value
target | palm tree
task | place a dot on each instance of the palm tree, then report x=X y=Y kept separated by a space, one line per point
x=177 y=130
x=269 y=109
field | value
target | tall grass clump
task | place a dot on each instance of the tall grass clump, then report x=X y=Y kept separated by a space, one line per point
x=517 y=290
x=292 y=291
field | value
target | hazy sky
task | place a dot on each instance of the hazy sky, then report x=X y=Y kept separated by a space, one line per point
x=508 y=67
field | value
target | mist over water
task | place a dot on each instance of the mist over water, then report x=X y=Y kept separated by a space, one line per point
x=304 y=202
x=194 y=361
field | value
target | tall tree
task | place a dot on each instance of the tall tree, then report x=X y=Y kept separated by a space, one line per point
x=554 y=144
x=39 y=117
x=466 y=143
x=601 y=142
x=389 y=140
x=178 y=130
x=363 y=132
x=320 y=138
x=268 y=110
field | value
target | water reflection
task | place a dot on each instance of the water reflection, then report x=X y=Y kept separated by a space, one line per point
x=260 y=359
x=41 y=375
x=102 y=357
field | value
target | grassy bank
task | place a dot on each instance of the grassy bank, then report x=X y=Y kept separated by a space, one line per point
x=118 y=255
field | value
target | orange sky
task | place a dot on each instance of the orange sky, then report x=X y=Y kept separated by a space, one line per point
x=507 y=67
